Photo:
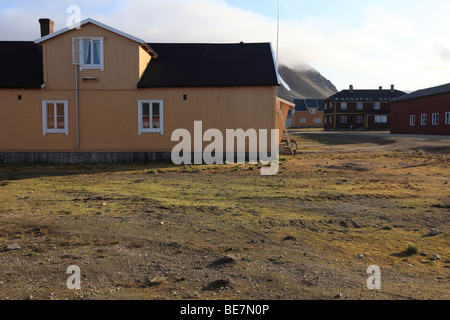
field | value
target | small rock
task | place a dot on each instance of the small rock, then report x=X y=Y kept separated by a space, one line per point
x=14 y=246
x=433 y=232
x=361 y=255
x=436 y=257
x=447 y=261
x=219 y=284
x=338 y=296
x=423 y=254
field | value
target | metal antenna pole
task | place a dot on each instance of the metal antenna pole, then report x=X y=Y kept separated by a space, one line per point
x=278 y=35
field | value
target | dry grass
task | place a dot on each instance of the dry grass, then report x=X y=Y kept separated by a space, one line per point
x=295 y=235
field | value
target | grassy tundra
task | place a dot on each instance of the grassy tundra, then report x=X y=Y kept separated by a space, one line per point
x=148 y=231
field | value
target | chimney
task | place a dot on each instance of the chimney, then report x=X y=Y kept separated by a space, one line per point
x=351 y=89
x=392 y=88
x=46 y=26
x=381 y=88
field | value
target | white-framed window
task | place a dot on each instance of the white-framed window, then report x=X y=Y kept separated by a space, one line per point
x=344 y=106
x=150 y=116
x=359 y=106
x=359 y=119
x=55 y=117
x=90 y=51
x=312 y=111
x=343 y=119
x=326 y=120
x=302 y=120
x=376 y=106
x=435 y=118
x=412 y=120
x=447 y=118
x=317 y=120
x=381 y=119
x=423 y=119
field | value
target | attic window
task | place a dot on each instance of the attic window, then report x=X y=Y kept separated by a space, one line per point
x=90 y=51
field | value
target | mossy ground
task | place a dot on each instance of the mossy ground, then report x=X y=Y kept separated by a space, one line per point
x=295 y=235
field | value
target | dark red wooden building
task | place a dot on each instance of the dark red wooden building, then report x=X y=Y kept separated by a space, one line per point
x=425 y=111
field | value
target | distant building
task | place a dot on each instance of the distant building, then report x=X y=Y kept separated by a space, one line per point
x=308 y=113
x=425 y=111
x=359 y=109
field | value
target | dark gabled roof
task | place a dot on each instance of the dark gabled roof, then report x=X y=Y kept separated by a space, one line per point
x=367 y=95
x=445 y=88
x=210 y=65
x=21 y=65
x=302 y=105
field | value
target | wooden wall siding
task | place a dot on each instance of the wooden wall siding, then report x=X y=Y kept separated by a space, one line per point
x=108 y=119
x=123 y=61
x=402 y=110
x=309 y=119
x=144 y=60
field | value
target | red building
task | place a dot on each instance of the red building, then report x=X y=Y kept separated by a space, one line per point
x=422 y=112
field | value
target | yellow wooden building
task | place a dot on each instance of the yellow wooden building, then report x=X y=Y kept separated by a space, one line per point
x=94 y=90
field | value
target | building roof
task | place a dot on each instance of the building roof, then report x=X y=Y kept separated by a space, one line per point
x=21 y=65
x=367 y=95
x=302 y=105
x=210 y=65
x=445 y=88
x=101 y=25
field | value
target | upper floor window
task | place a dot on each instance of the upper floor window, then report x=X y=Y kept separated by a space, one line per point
x=88 y=52
x=54 y=116
x=312 y=111
x=150 y=116
x=344 y=106
x=359 y=106
x=447 y=118
x=376 y=106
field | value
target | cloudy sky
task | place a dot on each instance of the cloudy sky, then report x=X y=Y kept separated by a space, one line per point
x=366 y=43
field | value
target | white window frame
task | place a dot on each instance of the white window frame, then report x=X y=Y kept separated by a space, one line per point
x=359 y=119
x=381 y=119
x=344 y=119
x=81 y=62
x=447 y=118
x=435 y=118
x=412 y=120
x=312 y=111
x=377 y=106
x=302 y=120
x=423 y=119
x=45 y=130
x=317 y=120
x=343 y=105
x=142 y=130
x=359 y=106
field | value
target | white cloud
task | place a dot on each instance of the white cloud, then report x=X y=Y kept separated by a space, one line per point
x=402 y=44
